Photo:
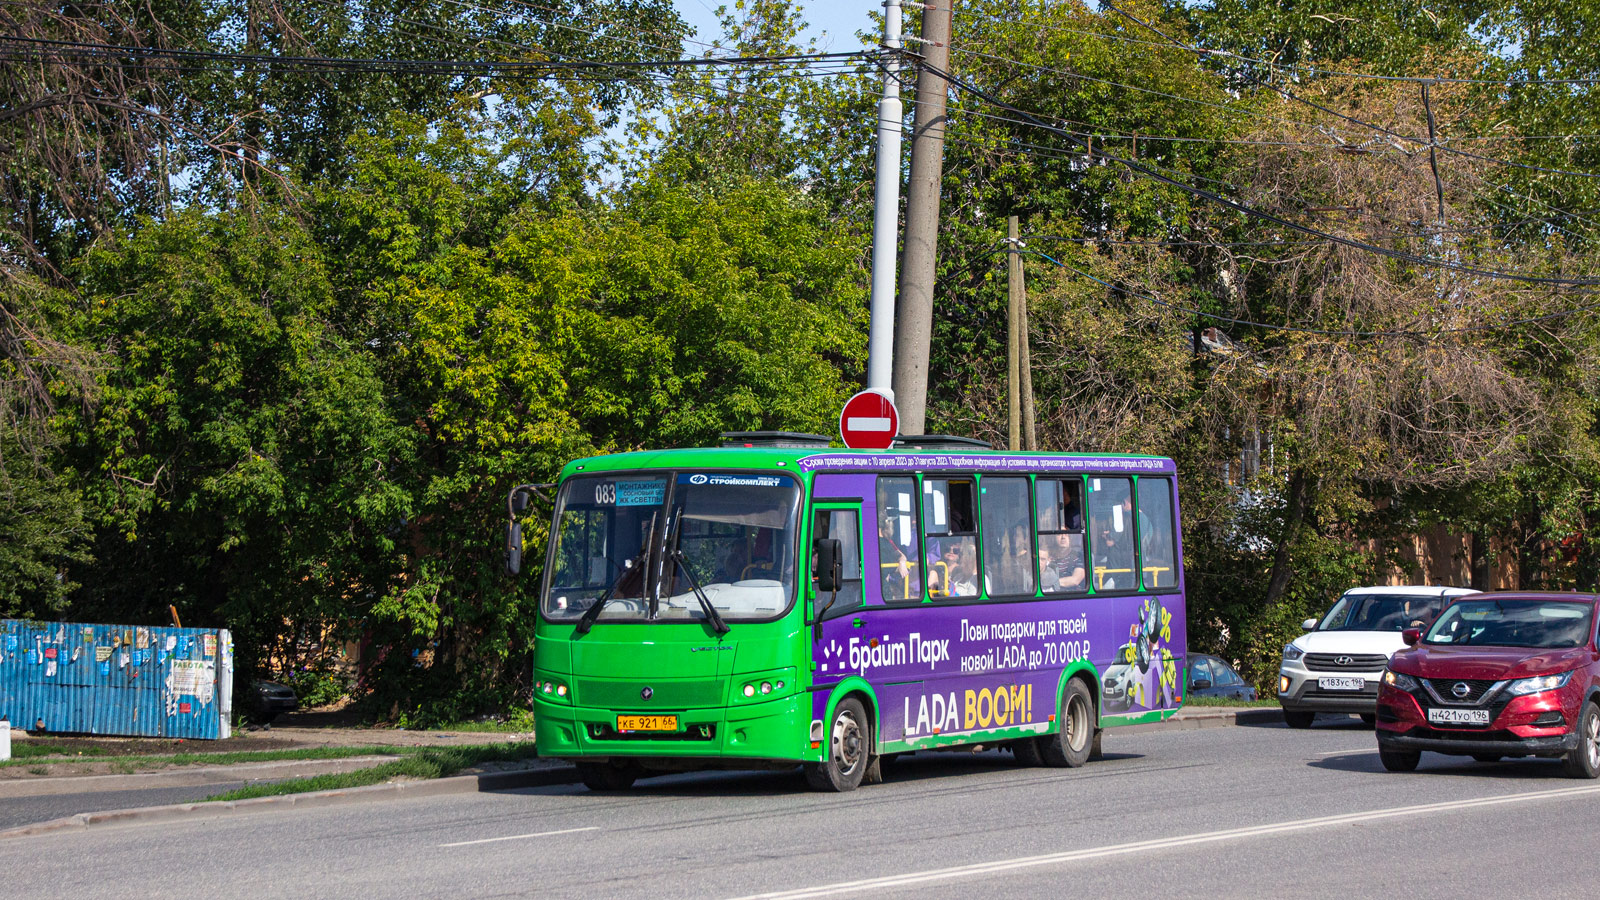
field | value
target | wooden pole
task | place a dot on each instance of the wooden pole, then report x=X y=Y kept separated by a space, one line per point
x=1030 y=434
x=1013 y=337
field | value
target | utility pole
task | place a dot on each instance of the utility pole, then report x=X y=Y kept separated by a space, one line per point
x=1030 y=432
x=1019 y=382
x=886 y=214
x=914 y=325
x=1013 y=332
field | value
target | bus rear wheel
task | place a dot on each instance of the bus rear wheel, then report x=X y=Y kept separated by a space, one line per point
x=607 y=776
x=849 y=750
x=1069 y=747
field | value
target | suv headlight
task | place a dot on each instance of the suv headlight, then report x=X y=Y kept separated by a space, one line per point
x=1402 y=682
x=1292 y=653
x=1538 y=684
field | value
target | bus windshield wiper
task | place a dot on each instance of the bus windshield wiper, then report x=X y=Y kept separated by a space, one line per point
x=635 y=567
x=712 y=616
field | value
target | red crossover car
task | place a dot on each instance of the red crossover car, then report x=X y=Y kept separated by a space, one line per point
x=1496 y=675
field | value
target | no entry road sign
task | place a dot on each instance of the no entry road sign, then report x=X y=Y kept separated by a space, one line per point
x=869 y=421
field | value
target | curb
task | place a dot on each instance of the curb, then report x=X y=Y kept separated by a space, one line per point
x=456 y=784
x=1220 y=719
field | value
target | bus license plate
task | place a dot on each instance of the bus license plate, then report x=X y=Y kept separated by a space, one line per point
x=1342 y=684
x=1458 y=716
x=647 y=723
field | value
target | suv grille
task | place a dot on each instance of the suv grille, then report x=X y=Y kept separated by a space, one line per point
x=1444 y=689
x=1357 y=662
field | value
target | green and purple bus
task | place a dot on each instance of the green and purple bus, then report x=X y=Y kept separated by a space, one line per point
x=769 y=605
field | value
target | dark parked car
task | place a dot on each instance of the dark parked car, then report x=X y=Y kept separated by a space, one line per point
x=1211 y=677
x=267 y=699
x=1497 y=675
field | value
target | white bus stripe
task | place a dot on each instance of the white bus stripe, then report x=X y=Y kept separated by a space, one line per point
x=929 y=875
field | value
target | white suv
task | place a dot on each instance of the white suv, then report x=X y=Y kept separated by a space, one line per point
x=1335 y=667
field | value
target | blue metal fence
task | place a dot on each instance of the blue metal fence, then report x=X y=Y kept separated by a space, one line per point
x=116 y=679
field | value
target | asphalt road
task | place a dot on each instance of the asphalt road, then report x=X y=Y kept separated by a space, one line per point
x=16 y=811
x=1237 y=812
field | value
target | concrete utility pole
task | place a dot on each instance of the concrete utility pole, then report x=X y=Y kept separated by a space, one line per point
x=914 y=325
x=886 y=214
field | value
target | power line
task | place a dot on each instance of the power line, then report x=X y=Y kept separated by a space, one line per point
x=427 y=66
x=1352 y=119
x=1319 y=331
x=1047 y=25
x=1263 y=214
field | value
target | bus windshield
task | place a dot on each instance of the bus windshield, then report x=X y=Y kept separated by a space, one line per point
x=1514 y=623
x=732 y=535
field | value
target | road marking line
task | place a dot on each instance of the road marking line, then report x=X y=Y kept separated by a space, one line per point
x=1023 y=862
x=518 y=837
x=1348 y=752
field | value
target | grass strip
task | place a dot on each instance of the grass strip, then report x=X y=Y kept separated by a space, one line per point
x=30 y=749
x=428 y=763
x=214 y=759
x=1228 y=701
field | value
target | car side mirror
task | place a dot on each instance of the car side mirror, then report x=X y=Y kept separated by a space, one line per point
x=828 y=564
x=1199 y=684
x=1309 y=624
x=1411 y=636
x=513 y=548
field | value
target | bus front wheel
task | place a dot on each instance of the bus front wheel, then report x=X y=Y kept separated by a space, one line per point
x=1069 y=747
x=849 y=750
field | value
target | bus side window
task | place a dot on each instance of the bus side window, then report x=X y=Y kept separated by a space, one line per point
x=1155 y=534
x=1061 y=563
x=1111 y=534
x=1007 y=538
x=843 y=525
x=950 y=524
x=899 y=559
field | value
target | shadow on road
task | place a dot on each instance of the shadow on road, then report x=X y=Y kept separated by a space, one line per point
x=927 y=768
x=1323 y=722
x=1441 y=764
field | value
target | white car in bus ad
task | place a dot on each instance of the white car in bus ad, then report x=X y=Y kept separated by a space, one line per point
x=1336 y=665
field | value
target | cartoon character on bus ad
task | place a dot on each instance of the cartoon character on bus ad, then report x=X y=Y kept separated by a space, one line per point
x=1145 y=674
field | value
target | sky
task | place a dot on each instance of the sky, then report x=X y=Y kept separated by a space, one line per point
x=834 y=23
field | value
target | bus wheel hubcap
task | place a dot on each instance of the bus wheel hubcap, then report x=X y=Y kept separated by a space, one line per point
x=1077 y=724
x=847 y=742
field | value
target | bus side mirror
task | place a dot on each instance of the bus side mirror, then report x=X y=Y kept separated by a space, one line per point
x=1411 y=636
x=828 y=556
x=519 y=500
x=513 y=548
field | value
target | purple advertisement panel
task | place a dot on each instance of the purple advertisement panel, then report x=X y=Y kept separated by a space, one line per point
x=950 y=670
x=985 y=463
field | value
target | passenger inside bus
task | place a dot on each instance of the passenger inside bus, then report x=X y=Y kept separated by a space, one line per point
x=895 y=559
x=964 y=574
x=1066 y=551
